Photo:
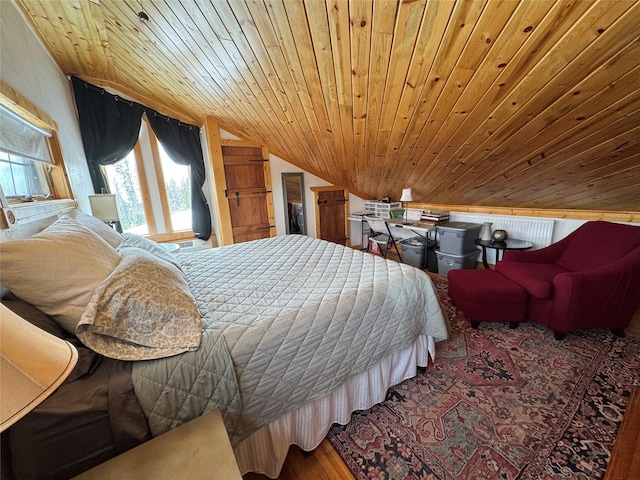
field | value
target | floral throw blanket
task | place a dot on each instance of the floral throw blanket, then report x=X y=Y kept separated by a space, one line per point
x=143 y=310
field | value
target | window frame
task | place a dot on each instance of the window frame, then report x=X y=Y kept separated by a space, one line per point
x=17 y=161
x=160 y=180
x=58 y=179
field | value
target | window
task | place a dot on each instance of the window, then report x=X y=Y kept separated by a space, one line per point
x=153 y=192
x=23 y=149
x=22 y=178
x=178 y=187
x=30 y=157
x=124 y=181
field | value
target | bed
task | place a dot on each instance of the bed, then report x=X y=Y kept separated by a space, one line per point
x=285 y=335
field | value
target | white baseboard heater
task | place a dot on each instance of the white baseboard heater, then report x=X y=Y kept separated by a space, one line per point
x=195 y=244
x=536 y=230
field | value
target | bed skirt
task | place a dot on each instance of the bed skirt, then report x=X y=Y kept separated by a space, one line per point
x=266 y=449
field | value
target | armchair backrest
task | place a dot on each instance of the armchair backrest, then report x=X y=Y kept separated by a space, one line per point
x=596 y=244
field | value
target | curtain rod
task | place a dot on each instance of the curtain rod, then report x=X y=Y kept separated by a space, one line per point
x=147 y=109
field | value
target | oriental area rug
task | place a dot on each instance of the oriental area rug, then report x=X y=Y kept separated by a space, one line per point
x=499 y=404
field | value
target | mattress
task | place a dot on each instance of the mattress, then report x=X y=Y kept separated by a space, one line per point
x=299 y=317
x=265 y=451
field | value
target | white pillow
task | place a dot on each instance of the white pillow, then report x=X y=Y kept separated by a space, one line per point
x=58 y=269
x=109 y=235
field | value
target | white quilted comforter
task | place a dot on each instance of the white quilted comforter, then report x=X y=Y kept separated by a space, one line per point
x=286 y=320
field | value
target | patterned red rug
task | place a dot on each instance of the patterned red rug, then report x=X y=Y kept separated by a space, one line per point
x=499 y=404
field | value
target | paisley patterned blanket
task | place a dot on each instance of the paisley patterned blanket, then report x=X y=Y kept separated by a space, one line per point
x=285 y=321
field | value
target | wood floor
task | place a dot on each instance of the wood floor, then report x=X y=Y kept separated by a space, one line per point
x=325 y=464
x=633 y=329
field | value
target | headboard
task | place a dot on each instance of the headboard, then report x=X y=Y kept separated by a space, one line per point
x=25 y=219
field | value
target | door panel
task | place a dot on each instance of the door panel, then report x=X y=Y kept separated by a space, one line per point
x=246 y=193
x=331 y=209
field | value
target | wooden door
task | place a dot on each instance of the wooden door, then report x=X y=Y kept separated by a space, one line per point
x=247 y=193
x=332 y=211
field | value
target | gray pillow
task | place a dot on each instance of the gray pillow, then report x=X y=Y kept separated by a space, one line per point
x=154 y=248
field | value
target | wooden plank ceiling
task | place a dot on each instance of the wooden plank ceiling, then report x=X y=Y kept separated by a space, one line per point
x=530 y=104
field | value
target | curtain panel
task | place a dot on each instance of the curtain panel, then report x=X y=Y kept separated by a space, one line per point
x=182 y=142
x=110 y=126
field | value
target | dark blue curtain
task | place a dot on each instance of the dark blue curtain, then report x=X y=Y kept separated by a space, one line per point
x=110 y=126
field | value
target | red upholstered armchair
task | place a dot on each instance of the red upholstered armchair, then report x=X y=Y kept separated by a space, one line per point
x=590 y=279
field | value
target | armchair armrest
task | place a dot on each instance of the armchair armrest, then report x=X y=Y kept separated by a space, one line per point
x=549 y=254
x=606 y=297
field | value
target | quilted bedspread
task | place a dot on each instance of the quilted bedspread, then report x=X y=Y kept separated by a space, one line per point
x=285 y=321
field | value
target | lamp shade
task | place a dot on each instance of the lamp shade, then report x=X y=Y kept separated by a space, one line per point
x=104 y=207
x=406 y=195
x=33 y=363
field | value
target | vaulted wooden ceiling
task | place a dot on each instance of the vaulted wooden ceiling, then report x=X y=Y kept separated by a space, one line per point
x=508 y=103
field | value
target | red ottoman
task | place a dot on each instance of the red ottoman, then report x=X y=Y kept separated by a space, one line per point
x=487 y=296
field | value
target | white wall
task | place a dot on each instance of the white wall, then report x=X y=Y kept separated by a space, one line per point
x=280 y=166
x=564 y=226
x=27 y=67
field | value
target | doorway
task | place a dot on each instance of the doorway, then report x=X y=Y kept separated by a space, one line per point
x=294 y=206
x=332 y=213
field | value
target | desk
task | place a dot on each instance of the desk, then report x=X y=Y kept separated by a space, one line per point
x=420 y=228
x=508 y=244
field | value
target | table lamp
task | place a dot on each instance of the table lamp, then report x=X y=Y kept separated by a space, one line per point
x=33 y=363
x=406 y=198
x=104 y=207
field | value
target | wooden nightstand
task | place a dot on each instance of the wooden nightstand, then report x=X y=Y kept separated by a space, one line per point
x=199 y=449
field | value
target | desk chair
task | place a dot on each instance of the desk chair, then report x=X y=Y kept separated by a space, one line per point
x=381 y=235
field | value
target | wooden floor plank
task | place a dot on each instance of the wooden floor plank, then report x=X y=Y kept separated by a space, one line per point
x=634 y=327
x=625 y=457
x=321 y=464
